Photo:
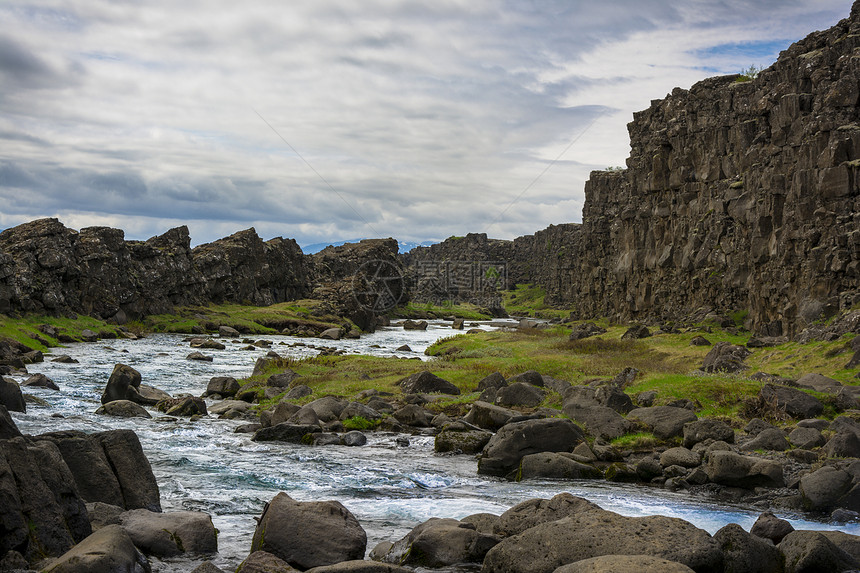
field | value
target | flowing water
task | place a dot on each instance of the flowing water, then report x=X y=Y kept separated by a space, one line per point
x=205 y=466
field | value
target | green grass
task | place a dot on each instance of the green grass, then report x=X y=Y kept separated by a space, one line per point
x=529 y=300
x=25 y=329
x=272 y=319
x=645 y=440
x=428 y=310
x=359 y=423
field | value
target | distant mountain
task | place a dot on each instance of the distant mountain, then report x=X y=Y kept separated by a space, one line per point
x=404 y=246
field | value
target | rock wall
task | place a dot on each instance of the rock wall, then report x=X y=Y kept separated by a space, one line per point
x=739 y=197
x=48 y=268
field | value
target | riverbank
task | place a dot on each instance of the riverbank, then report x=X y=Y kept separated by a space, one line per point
x=666 y=362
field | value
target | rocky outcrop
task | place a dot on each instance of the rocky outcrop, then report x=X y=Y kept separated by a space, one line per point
x=739 y=196
x=48 y=268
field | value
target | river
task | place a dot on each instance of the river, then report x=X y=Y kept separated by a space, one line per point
x=205 y=466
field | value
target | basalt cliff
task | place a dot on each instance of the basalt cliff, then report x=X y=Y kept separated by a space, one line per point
x=739 y=197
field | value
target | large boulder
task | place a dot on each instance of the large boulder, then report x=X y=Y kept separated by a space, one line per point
x=535 y=511
x=520 y=394
x=489 y=416
x=41 y=514
x=554 y=465
x=309 y=534
x=109 y=549
x=285 y=432
x=746 y=553
x=224 y=386
x=599 y=421
x=327 y=408
x=663 y=421
x=123 y=384
x=40 y=381
x=545 y=547
x=11 y=396
x=532 y=377
x=617 y=563
x=820 y=490
x=726 y=357
x=185 y=406
x=494 y=380
x=282 y=379
x=707 y=429
x=170 y=534
x=734 y=470
x=809 y=551
x=92 y=472
x=820 y=383
x=123 y=409
x=463 y=440
x=133 y=471
x=511 y=443
x=8 y=429
x=427 y=383
x=795 y=403
x=440 y=543
x=806 y=438
x=770 y=439
x=585 y=330
x=769 y=526
x=264 y=562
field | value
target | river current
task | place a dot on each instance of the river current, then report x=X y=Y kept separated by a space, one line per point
x=205 y=466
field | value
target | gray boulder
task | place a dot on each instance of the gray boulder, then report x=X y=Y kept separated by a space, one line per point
x=283 y=411
x=735 y=470
x=415 y=325
x=820 y=490
x=150 y=396
x=585 y=330
x=331 y=334
x=8 y=428
x=197 y=355
x=225 y=331
x=357 y=409
x=494 y=380
x=298 y=392
x=746 y=553
x=664 y=421
x=599 y=421
x=224 y=386
x=264 y=562
x=520 y=394
x=40 y=381
x=795 y=403
x=282 y=379
x=806 y=438
x=440 y=543
x=309 y=534
x=554 y=465
x=844 y=444
x=680 y=457
x=545 y=547
x=122 y=385
x=511 y=443
x=103 y=514
x=772 y=439
x=412 y=415
x=427 y=383
x=170 y=534
x=123 y=409
x=618 y=563
x=819 y=383
x=452 y=438
x=532 y=512
x=726 y=357
x=528 y=377
x=707 y=429
x=810 y=551
x=769 y=526
x=285 y=432
x=11 y=396
x=488 y=416
x=107 y=550
x=133 y=471
x=327 y=408
x=353 y=439
x=636 y=332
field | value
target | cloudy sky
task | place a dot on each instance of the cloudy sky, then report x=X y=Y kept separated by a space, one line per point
x=329 y=120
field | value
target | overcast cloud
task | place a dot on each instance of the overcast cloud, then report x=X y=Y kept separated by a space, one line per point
x=412 y=120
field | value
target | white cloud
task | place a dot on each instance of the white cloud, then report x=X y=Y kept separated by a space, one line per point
x=426 y=120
